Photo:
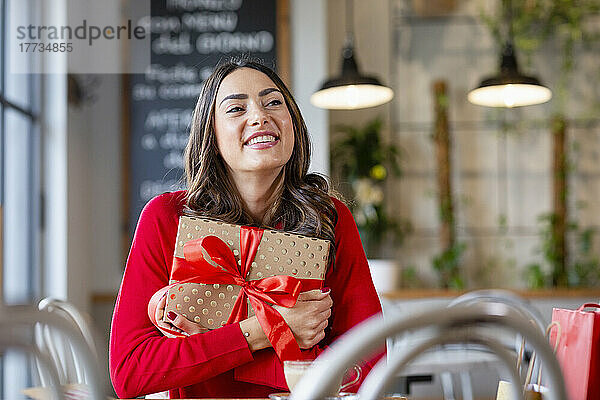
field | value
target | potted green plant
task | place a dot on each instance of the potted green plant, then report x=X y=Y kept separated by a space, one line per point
x=363 y=163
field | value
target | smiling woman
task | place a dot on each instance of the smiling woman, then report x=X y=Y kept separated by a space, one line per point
x=255 y=134
x=246 y=163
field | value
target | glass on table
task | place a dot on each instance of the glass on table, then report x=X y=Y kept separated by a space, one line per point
x=295 y=369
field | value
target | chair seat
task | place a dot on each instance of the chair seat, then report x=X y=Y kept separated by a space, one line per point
x=451 y=360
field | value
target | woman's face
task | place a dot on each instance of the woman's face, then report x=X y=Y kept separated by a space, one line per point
x=253 y=127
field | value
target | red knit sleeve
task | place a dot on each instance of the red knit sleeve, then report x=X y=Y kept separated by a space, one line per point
x=142 y=360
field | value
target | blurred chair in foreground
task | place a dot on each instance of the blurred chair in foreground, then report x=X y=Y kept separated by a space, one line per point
x=458 y=360
x=366 y=338
x=377 y=382
x=514 y=342
x=18 y=324
x=12 y=337
x=57 y=346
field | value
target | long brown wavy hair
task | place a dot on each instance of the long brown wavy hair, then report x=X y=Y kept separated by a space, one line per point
x=303 y=205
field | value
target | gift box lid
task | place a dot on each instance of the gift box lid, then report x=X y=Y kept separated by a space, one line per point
x=279 y=253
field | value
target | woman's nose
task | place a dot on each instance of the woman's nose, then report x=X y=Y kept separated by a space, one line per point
x=258 y=117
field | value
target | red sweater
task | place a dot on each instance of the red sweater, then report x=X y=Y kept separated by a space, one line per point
x=144 y=361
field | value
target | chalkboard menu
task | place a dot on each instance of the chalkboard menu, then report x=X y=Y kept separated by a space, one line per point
x=188 y=38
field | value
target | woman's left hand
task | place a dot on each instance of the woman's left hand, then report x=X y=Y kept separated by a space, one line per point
x=178 y=322
x=309 y=317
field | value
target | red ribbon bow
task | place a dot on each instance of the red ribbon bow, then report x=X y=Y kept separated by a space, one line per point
x=209 y=260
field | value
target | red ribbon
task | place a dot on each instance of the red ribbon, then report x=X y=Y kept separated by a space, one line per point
x=209 y=260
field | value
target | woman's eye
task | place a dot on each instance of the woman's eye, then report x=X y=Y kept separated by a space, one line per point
x=274 y=102
x=234 y=109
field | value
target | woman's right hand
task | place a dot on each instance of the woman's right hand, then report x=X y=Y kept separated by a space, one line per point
x=309 y=317
x=178 y=322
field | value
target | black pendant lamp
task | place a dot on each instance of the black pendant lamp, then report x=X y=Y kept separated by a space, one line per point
x=351 y=90
x=509 y=88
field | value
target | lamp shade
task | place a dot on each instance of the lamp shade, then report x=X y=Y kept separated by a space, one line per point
x=509 y=88
x=351 y=90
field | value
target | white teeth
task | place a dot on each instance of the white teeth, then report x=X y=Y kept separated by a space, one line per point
x=261 y=139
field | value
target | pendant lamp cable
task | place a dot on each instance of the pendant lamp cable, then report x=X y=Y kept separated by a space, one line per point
x=349 y=40
x=508 y=16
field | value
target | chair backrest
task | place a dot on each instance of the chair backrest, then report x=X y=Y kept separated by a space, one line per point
x=54 y=343
x=364 y=339
x=523 y=306
x=384 y=372
x=506 y=297
x=517 y=303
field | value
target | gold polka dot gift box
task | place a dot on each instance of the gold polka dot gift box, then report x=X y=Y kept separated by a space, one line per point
x=278 y=253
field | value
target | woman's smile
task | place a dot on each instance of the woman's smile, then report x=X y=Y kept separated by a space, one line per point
x=262 y=140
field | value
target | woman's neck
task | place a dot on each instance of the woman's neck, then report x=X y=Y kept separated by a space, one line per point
x=259 y=192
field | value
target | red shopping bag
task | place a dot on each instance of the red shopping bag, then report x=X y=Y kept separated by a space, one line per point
x=578 y=350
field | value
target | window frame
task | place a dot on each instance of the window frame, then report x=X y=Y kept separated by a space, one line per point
x=33 y=174
x=30 y=290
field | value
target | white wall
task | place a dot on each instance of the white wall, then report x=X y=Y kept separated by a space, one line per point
x=94 y=191
x=94 y=255
x=309 y=69
x=106 y=191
